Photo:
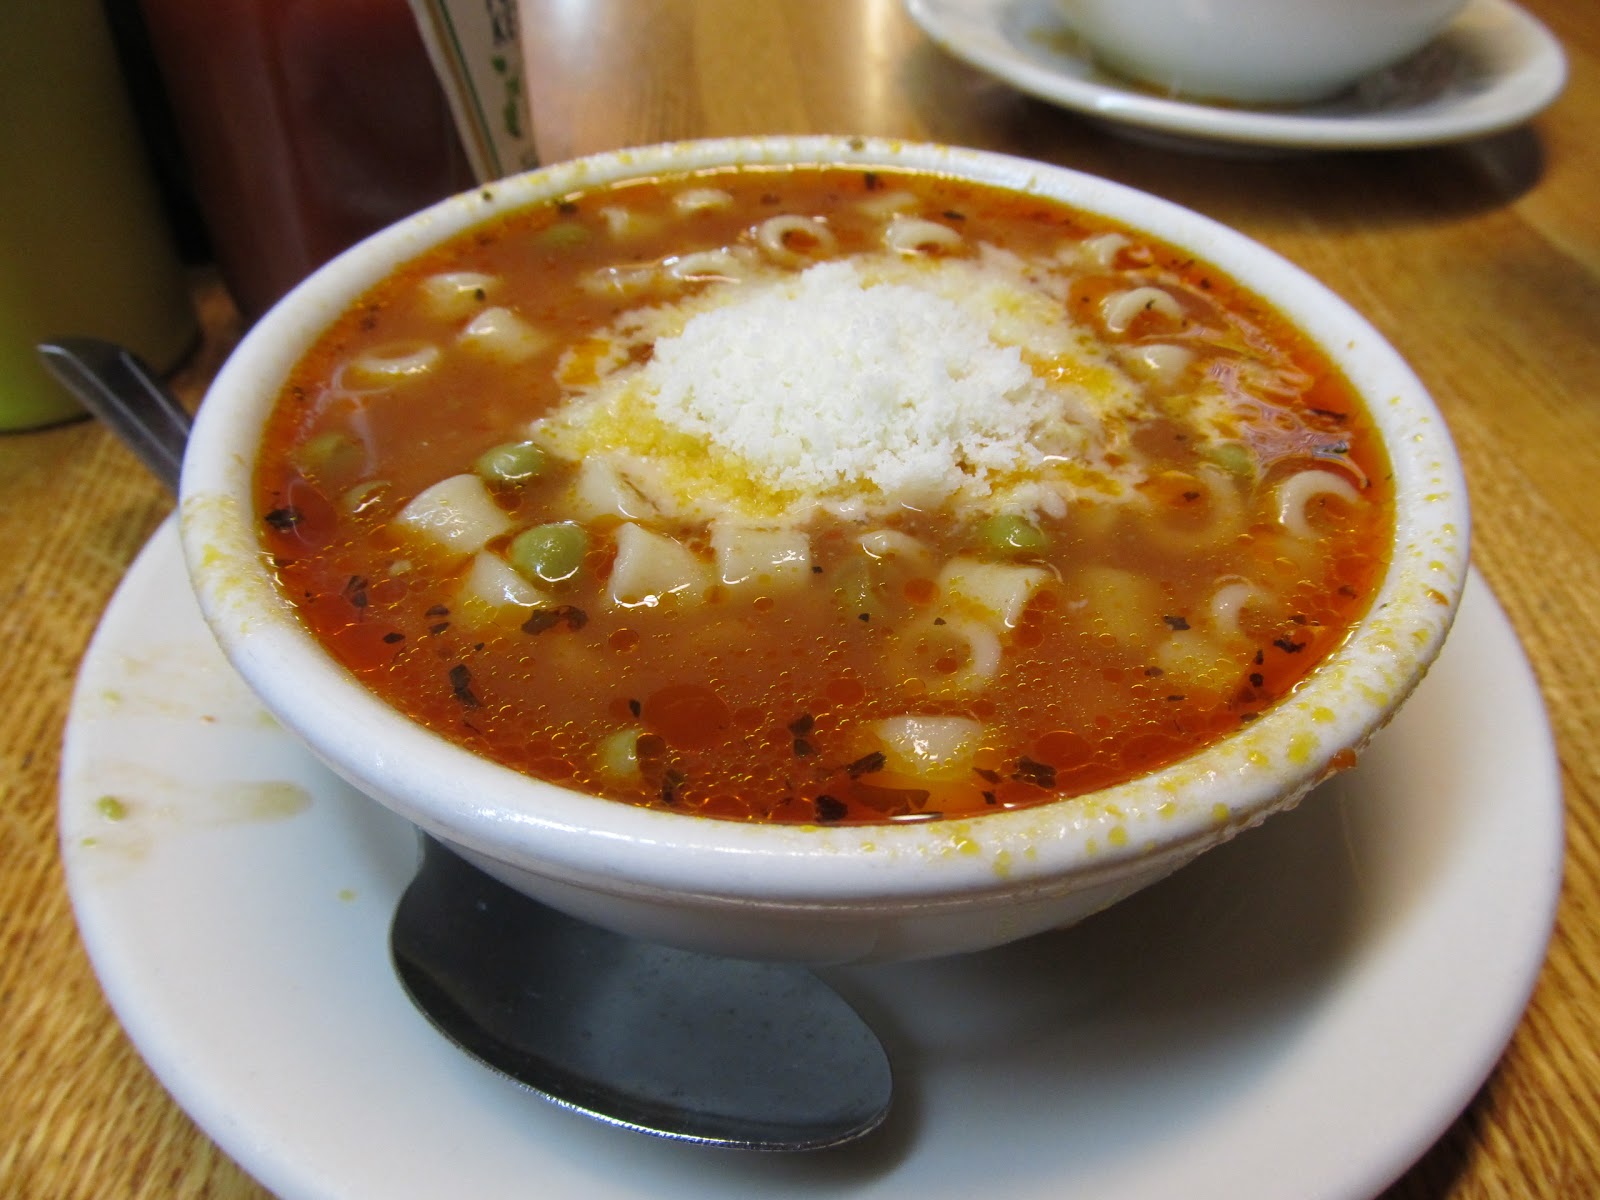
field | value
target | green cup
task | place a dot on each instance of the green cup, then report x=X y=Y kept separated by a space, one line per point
x=84 y=243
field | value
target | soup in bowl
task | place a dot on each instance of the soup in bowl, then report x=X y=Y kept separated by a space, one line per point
x=823 y=549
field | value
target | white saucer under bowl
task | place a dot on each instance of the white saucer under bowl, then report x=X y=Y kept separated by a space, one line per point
x=1299 y=1014
x=1494 y=67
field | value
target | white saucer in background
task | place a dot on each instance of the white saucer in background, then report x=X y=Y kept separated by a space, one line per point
x=1299 y=1014
x=1493 y=68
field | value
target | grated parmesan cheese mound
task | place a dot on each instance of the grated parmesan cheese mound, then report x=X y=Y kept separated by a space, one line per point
x=823 y=383
x=857 y=383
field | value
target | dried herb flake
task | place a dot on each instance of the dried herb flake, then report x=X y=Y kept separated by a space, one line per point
x=671 y=784
x=570 y=615
x=867 y=764
x=461 y=685
x=830 y=808
x=355 y=591
x=1032 y=771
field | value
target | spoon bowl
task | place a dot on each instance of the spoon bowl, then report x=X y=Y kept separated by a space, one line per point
x=696 y=1047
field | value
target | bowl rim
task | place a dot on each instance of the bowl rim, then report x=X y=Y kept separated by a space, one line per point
x=1050 y=848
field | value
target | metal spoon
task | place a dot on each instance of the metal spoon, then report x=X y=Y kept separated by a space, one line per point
x=121 y=391
x=687 y=1046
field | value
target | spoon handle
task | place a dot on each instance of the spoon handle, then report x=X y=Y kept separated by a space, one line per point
x=113 y=384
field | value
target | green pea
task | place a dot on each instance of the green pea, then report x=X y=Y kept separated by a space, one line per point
x=364 y=495
x=857 y=592
x=511 y=463
x=550 y=553
x=111 y=808
x=565 y=236
x=1012 y=533
x=330 y=455
x=617 y=755
x=1233 y=457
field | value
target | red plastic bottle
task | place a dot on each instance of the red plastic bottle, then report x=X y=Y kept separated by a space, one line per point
x=307 y=124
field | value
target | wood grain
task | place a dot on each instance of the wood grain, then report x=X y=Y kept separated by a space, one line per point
x=1480 y=261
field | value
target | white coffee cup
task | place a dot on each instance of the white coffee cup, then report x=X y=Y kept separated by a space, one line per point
x=1254 y=51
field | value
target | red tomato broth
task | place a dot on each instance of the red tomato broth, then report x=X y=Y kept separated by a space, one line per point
x=761 y=710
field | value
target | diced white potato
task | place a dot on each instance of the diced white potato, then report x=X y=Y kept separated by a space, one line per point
x=1124 y=604
x=1119 y=310
x=891 y=545
x=697 y=200
x=451 y=295
x=626 y=223
x=769 y=559
x=651 y=566
x=600 y=490
x=456 y=516
x=883 y=205
x=493 y=589
x=504 y=336
x=1190 y=659
x=997 y=591
x=930 y=746
x=386 y=366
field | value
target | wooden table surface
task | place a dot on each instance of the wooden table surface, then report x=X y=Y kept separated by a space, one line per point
x=1481 y=261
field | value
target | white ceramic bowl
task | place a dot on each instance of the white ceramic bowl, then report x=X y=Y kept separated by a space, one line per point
x=834 y=894
x=1255 y=51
